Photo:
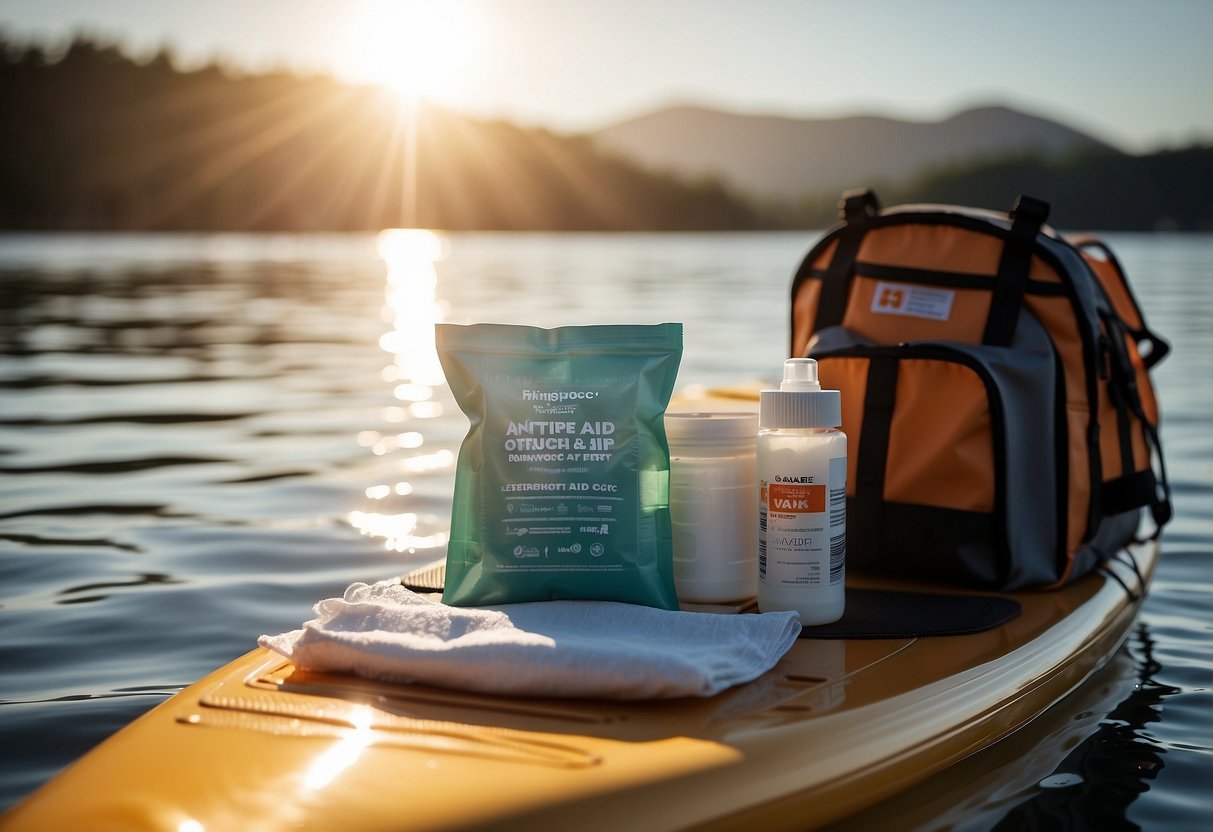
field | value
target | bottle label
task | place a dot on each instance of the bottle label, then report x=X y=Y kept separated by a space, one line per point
x=802 y=526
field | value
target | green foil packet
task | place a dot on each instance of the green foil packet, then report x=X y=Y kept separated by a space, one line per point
x=562 y=484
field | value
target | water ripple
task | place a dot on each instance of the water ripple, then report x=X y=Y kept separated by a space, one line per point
x=117 y=466
x=128 y=418
x=143 y=579
x=163 y=691
x=41 y=540
x=42 y=382
x=278 y=475
x=120 y=509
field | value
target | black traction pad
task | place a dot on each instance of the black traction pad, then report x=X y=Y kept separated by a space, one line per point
x=879 y=613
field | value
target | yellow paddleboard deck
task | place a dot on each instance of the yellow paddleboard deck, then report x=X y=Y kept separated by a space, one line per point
x=834 y=727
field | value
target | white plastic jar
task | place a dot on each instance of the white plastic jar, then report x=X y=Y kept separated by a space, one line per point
x=713 y=476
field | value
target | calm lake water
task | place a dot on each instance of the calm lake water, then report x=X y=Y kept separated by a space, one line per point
x=201 y=436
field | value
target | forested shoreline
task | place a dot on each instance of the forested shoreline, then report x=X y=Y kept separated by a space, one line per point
x=97 y=140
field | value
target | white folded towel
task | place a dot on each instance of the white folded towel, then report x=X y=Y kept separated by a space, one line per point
x=592 y=649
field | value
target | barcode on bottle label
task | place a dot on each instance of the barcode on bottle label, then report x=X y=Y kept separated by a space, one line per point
x=838 y=506
x=838 y=555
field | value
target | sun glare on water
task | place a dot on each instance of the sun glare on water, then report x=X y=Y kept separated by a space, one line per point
x=415 y=47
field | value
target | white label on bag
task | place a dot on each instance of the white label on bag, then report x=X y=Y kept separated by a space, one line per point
x=912 y=301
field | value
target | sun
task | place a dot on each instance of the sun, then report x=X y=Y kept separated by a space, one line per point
x=414 y=47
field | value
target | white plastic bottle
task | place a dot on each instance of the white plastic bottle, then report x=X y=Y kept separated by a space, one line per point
x=712 y=473
x=802 y=473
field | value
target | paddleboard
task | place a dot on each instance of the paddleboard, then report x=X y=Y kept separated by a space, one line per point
x=835 y=727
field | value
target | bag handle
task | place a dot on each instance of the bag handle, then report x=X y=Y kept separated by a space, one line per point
x=1028 y=215
x=856 y=208
x=1158 y=346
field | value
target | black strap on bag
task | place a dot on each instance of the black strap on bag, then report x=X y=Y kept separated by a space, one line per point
x=863 y=526
x=856 y=208
x=1161 y=509
x=1143 y=488
x=1122 y=386
x=1028 y=214
x=1134 y=489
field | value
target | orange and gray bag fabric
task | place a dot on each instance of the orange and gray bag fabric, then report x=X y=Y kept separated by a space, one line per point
x=995 y=388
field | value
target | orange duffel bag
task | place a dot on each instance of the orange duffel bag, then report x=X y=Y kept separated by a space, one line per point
x=996 y=393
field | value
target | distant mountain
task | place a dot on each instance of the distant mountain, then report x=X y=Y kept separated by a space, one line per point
x=776 y=157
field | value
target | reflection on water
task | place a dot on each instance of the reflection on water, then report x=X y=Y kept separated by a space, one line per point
x=201 y=436
x=1087 y=764
x=1093 y=787
x=410 y=254
x=397 y=531
x=413 y=309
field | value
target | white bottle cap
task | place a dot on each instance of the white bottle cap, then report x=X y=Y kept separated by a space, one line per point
x=799 y=402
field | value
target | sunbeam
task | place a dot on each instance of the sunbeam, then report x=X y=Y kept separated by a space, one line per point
x=238 y=155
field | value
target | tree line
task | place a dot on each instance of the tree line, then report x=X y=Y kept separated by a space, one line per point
x=1168 y=190
x=96 y=140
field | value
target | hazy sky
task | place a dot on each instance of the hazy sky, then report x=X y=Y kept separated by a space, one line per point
x=1137 y=74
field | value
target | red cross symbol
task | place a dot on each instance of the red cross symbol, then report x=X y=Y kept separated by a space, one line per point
x=891 y=298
